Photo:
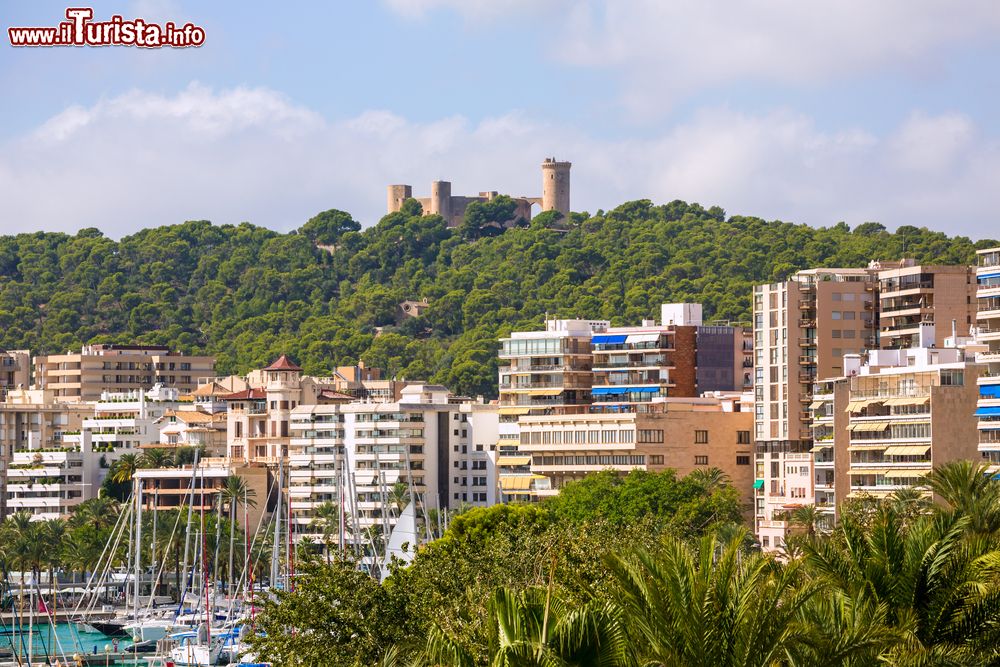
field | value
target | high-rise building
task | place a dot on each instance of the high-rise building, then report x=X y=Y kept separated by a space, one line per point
x=95 y=369
x=802 y=328
x=921 y=305
x=370 y=459
x=988 y=335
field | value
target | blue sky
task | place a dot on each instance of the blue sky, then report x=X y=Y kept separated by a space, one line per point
x=806 y=112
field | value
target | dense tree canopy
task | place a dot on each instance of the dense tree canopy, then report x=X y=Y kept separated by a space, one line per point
x=322 y=293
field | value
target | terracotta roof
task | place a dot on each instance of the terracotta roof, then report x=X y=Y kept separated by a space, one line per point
x=192 y=416
x=331 y=395
x=283 y=363
x=246 y=394
x=209 y=389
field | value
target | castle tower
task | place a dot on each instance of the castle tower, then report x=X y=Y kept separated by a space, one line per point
x=555 y=186
x=441 y=199
x=396 y=195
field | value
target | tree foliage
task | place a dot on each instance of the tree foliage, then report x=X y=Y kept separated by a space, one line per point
x=245 y=293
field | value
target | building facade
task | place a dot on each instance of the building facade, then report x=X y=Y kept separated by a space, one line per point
x=15 y=370
x=95 y=369
x=802 y=329
x=913 y=295
x=988 y=338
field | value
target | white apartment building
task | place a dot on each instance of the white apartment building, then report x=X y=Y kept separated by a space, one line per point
x=369 y=458
x=988 y=334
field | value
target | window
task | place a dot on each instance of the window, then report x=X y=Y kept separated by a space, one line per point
x=743 y=437
x=742 y=460
x=765 y=541
x=849 y=315
x=701 y=437
x=650 y=435
x=701 y=460
x=656 y=459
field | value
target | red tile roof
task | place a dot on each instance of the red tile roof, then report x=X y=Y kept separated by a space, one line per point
x=246 y=395
x=283 y=363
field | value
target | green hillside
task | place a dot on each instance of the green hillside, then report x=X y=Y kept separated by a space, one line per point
x=246 y=293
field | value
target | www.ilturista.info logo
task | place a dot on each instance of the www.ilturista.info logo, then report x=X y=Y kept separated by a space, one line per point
x=81 y=30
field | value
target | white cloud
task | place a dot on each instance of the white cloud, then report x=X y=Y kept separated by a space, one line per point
x=143 y=159
x=662 y=51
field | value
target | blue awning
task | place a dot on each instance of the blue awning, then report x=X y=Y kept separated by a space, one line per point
x=988 y=275
x=603 y=391
x=989 y=391
x=608 y=339
x=988 y=412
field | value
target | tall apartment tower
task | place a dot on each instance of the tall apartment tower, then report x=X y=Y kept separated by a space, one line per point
x=988 y=334
x=555 y=185
x=912 y=296
x=802 y=329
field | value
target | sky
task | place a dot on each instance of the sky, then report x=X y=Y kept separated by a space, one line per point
x=810 y=112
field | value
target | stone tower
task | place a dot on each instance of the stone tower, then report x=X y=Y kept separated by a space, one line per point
x=396 y=195
x=555 y=186
x=441 y=199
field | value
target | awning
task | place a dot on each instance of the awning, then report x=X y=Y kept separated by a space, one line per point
x=988 y=412
x=986 y=276
x=603 y=391
x=868 y=426
x=854 y=406
x=517 y=483
x=907 y=450
x=867 y=471
x=816 y=404
x=824 y=445
x=866 y=448
x=907 y=474
x=608 y=339
x=643 y=338
x=514 y=410
x=908 y=401
x=513 y=460
x=758 y=484
x=544 y=392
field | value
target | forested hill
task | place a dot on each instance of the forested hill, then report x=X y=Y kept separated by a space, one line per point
x=246 y=293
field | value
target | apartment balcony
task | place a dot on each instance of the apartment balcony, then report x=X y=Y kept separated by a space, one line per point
x=773 y=525
x=989 y=334
x=807 y=360
x=808 y=305
x=543 y=368
x=896 y=288
x=807 y=342
x=645 y=362
x=807 y=378
x=805 y=323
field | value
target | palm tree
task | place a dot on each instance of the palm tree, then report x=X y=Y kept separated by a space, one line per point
x=99 y=513
x=326 y=519
x=716 y=605
x=123 y=469
x=156 y=458
x=709 y=479
x=399 y=495
x=971 y=491
x=234 y=490
x=534 y=628
x=936 y=579
x=809 y=518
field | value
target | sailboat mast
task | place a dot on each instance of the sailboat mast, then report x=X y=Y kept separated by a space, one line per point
x=276 y=543
x=137 y=495
x=187 y=533
x=204 y=562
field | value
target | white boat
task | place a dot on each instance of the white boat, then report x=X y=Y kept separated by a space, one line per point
x=194 y=649
x=151 y=629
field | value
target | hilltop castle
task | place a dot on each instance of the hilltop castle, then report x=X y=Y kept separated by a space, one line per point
x=555 y=196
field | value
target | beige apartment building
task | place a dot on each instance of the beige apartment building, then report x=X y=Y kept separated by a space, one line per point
x=32 y=422
x=95 y=369
x=895 y=416
x=682 y=434
x=15 y=370
x=911 y=295
x=803 y=327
